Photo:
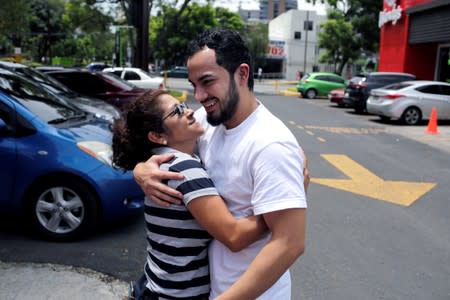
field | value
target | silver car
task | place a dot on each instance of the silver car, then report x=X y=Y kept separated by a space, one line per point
x=410 y=101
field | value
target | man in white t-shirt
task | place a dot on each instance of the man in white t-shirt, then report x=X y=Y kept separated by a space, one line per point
x=255 y=163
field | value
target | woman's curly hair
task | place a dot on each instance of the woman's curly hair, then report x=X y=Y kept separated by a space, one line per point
x=130 y=143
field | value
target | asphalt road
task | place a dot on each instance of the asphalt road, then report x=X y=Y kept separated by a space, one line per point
x=359 y=245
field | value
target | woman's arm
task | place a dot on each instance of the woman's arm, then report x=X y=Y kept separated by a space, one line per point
x=209 y=211
x=212 y=213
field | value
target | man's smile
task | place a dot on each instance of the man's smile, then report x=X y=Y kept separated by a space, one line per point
x=209 y=104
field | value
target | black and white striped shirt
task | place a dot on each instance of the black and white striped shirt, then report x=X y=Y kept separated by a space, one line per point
x=177 y=246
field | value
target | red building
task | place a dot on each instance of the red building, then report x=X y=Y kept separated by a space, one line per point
x=415 y=38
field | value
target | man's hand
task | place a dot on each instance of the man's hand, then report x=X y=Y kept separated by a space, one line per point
x=149 y=177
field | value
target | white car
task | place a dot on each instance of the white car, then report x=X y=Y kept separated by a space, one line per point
x=410 y=101
x=138 y=77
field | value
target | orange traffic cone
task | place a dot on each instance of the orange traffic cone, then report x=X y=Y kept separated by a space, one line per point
x=432 y=123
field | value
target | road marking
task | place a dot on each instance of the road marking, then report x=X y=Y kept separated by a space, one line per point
x=349 y=130
x=321 y=139
x=365 y=183
x=341 y=130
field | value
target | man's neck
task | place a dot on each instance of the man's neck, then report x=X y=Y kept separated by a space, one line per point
x=247 y=105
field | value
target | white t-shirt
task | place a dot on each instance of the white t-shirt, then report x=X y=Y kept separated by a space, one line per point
x=257 y=168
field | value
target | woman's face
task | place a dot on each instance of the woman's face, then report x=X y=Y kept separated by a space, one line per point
x=179 y=121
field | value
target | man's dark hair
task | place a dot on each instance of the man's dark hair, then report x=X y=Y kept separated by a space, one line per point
x=231 y=50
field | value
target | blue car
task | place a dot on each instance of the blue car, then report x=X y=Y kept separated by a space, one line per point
x=55 y=164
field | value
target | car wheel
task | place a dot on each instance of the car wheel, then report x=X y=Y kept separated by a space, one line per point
x=311 y=94
x=62 y=209
x=411 y=116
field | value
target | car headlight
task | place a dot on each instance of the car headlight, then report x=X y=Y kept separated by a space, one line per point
x=103 y=117
x=98 y=150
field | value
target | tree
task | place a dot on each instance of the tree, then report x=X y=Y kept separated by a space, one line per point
x=45 y=26
x=13 y=23
x=172 y=29
x=257 y=38
x=338 y=40
x=89 y=34
x=361 y=17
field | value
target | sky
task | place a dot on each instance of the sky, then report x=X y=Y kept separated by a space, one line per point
x=254 y=4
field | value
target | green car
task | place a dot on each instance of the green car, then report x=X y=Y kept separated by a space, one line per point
x=319 y=84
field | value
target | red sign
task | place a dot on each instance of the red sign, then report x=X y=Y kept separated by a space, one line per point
x=275 y=49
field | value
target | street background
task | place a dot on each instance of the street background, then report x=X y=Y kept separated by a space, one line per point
x=358 y=246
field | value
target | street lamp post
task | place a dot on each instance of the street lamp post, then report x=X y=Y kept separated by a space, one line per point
x=118 y=47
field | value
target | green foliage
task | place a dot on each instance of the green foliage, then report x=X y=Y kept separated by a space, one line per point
x=257 y=38
x=13 y=23
x=356 y=19
x=79 y=29
x=47 y=28
x=173 y=28
x=338 y=40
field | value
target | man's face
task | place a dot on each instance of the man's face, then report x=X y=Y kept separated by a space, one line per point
x=213 y=87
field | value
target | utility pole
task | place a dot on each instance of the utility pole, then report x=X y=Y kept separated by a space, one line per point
x=306 y=28
x=140 y=21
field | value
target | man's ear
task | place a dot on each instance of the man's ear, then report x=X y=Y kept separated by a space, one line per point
x=243 y=71
x=157 y=138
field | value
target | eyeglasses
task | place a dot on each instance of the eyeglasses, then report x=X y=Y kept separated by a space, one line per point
x=179 y=110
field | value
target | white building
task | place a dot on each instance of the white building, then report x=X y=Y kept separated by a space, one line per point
x=293 y=38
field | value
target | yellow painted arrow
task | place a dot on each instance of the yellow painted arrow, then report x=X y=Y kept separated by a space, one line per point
x=365 y=183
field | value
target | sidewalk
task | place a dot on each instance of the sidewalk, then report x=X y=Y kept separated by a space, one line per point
x=30 y=281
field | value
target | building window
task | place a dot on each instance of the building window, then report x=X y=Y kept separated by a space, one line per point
x=308 y=25
x=297 y=35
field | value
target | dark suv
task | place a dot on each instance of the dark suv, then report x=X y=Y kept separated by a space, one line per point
x=359 y=87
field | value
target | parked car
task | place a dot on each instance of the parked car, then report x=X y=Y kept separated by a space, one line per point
x=97 y=66
x=410 y=101
x=56 y=165
x=101 y=85
x=337 y=96
x=138 y=77
x=45 y=69
x=359 y=87
x=100 y=108
x=177 y=72
x=316 y=84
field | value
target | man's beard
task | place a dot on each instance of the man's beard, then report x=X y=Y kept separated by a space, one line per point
x=230 y=106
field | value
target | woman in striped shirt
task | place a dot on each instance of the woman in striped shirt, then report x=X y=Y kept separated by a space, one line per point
x=177 y=235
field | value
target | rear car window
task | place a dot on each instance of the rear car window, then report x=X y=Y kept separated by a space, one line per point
x=386 y=79
x=322 y=77
x=357 y=79
x=336 y=79
x=397 y=86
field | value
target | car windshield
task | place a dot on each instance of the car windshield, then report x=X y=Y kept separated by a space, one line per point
x=147 y=73
x=122 y=83
x=306 y=76
x=45 y=79
x=42 y=103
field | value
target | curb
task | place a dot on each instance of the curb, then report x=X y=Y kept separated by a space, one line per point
x=289 y=93
x=35 y=281
x=183 y=96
